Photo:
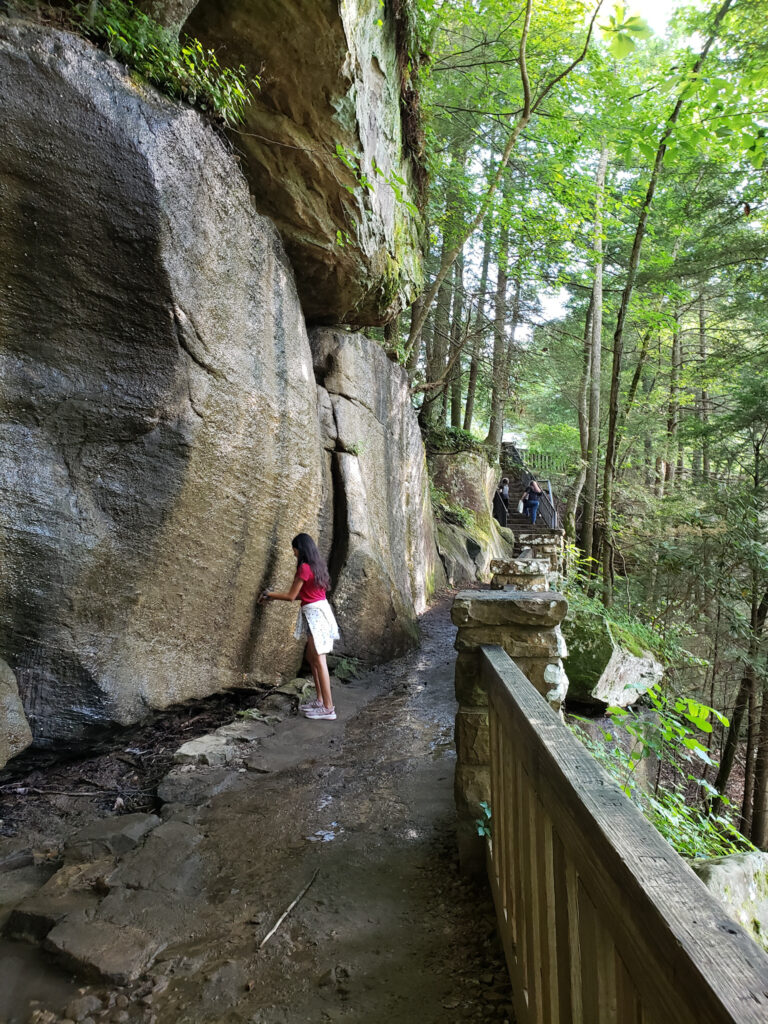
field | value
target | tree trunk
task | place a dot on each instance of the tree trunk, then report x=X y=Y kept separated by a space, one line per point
x=593 y=431
x=673 y=407
x=457 y=340
x=479 y=328
x=745 y=822
x=731 y=742
x=498 y=384
x=583 y=414
x=704 y=394
x=392 y=338
x=415 y=352
x=437 y=352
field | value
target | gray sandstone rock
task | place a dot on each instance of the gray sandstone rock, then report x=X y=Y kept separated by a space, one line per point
x=158 y=438
x=102 y=950
x=468 y=552
x=15 y=733
x=606 y=666
x=191 y=785
x=330 y=78
x=109 y=836
x=246 y=731
x=502 y=608
x=740 y=882
x=75 y=888
x=385 y=564
x=20 y=884
x=210 y=749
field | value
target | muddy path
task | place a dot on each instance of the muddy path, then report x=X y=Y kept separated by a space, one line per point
x=387 y=931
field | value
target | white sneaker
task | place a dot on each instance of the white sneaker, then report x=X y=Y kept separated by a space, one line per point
x=322 y=712
x=311 y=705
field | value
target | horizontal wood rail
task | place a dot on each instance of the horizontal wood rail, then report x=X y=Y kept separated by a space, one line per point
x=601 y=920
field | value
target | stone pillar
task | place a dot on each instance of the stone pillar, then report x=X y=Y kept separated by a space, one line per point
x=527 y=626
x=521 y=574
x=546 y=546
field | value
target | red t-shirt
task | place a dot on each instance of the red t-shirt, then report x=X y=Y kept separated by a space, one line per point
x=310 y=592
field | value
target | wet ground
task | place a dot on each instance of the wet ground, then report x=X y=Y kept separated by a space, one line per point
x=361 y=808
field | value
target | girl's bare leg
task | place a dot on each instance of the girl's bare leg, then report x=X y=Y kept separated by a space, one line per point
x=317 y=661
x=316 y=677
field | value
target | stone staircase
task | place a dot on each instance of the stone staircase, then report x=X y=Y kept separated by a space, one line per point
x=538 y=537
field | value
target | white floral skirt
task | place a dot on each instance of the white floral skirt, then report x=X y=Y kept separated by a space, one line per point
x=318 y=620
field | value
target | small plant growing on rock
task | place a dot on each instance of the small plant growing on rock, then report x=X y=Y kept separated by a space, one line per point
x=448 y=511
x=183 y=69
x=483 y=824
x=347 y=668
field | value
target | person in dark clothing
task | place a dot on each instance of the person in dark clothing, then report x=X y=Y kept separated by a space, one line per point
x=531 y=500
x=501 y=502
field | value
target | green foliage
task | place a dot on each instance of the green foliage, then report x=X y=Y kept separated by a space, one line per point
x=636 y=635
x=669 y=736
x=440 y=440
x=622 y=31
x=182 y=69
x=483 y=824
x=347 y=667
x=449 y=511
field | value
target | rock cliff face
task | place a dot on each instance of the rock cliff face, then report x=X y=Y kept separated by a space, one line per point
x=384 y=562
x=329 y=79
x=160 y=438
x=467 y=551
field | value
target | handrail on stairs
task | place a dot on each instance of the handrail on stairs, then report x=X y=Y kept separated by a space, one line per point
x=510 y=453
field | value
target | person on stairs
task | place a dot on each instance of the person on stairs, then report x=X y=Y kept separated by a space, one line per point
x=316 y=621
x=531 y=500
x=501 y=502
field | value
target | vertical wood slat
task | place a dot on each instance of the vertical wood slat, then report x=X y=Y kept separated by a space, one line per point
x=505 y=825
x=517 y=853
x=548 y=924
x=562 y=932
x=498 y=807
x=530 y=900
x=574 y=944
x=628 y=1008
x=587 y=937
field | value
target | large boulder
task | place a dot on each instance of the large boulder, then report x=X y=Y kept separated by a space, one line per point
x=606 y=666
x=15 y=733
x=468 y=548
x=384 y=562
x=740 y=882
x=331 y=93
x=158 y=440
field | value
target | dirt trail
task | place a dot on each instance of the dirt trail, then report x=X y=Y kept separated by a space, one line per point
x=388 y=931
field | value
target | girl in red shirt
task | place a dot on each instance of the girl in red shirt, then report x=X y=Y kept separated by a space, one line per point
x=316 y=621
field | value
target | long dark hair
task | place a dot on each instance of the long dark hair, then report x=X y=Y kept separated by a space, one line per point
x=308 y=553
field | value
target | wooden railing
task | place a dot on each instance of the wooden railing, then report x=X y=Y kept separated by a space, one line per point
x=601 y=920
x=544 y=463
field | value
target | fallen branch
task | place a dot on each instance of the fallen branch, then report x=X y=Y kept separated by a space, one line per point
x=287 y=911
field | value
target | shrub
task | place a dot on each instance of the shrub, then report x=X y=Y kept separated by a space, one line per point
x=452 y=440
x=670 y=735
x=183 y=69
